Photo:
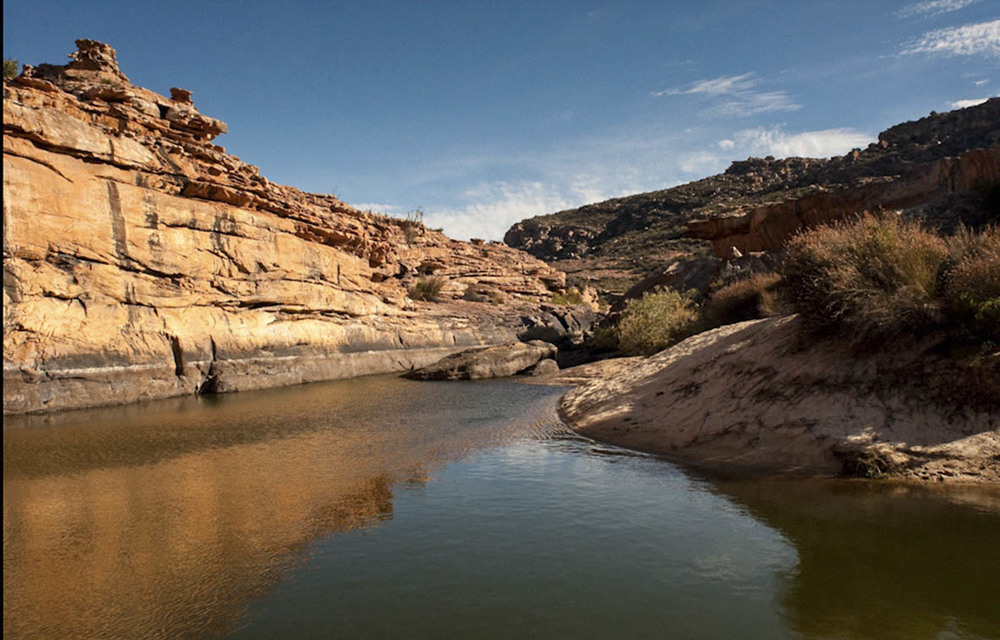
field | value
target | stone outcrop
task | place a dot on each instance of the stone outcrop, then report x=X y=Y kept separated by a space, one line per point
x=767 y=227
x=490 y=362
x=142 y=261
x=941 y=168
x=754 y=398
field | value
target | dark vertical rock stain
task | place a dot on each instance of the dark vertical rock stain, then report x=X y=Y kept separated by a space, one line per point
x=175 y=348
x=117 y=223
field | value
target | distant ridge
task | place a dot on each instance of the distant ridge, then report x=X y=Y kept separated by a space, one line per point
x=613 y=243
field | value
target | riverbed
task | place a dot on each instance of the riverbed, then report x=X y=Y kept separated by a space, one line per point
x=388 y=508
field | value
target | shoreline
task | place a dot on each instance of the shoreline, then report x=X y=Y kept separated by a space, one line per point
x=749 y=400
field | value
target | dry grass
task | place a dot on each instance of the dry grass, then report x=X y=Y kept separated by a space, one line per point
x=874 y=277
x=972 y=284
x=656 y=321
x=749 y=299
x=428 y=289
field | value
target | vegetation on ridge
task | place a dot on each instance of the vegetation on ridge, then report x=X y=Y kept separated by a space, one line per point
x=10 y=68
x=880 y=277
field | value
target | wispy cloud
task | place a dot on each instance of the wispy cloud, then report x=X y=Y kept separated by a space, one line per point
x=962 y=104
x=933 y=7
x=739 y=94
x=715 y=87
x=980 y=83
x=808 y=144
x=495 y=206
x=982 y=38
x=378 y=207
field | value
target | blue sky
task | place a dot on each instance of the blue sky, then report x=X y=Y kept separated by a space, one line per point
x=483 y=114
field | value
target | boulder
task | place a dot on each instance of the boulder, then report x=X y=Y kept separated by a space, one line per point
x=558 y=325
x=492 y=362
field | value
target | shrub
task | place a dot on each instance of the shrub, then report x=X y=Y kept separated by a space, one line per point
x=10 y=68
x=874 y=277
x=413 y=225
x=748 y=299
x=571 y=297
x=428 y=289
x=604 y=338
x=656 y=321
x=972 y=293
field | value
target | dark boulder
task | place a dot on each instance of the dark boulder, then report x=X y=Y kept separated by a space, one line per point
x=488 y=362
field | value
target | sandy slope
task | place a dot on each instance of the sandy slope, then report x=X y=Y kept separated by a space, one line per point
x=756 y=397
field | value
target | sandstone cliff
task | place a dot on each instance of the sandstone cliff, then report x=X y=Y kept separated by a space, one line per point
x=142 y=261
x=938 y=166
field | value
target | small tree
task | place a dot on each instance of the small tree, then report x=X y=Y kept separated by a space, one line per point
x=10 y=68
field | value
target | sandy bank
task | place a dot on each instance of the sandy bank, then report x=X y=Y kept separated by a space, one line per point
x=755 y=397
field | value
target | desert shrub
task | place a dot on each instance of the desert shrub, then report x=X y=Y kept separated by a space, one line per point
x=748 y=299
x=412 y=226
x=428 y=289
x=10 y=68
x=874 y=277
x=656 y=321
x=604 y=338
x=972 y=294
x=571 y=297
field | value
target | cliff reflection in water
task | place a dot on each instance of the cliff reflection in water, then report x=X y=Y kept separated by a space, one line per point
x=884 y=561
x=168 y=520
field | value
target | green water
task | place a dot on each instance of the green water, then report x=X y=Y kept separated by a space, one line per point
x=385 y=508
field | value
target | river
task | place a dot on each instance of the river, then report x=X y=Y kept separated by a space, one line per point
x=388 y=508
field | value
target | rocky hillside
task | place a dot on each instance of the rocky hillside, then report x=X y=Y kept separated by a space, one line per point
x=143 y=261
x=758 y=202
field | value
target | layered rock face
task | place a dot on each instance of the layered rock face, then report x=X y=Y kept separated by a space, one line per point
x=767 y=227
x=143 y=261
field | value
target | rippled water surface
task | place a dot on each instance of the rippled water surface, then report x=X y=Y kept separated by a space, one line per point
x=386 y=508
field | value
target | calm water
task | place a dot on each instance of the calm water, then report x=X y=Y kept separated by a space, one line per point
x=385 y=508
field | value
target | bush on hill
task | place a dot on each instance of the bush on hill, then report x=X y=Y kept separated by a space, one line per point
x=428 y=289
x=656 y=321
x=879 y=277
x=748 y=299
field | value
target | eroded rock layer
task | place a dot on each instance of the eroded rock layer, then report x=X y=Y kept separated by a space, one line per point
x=143 y=261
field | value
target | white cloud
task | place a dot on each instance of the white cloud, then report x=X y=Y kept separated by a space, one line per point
x=739 y=93
x=726 y=144
x=715 y=87
x=980 y=83
x=962 y=104
x=753 y=103
x=702 y=163
x=934 y=7
x=377 y=207
x=498 y=205
x=808 y=144
x=981 y=38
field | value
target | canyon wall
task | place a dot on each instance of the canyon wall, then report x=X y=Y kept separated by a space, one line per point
x=142 y=261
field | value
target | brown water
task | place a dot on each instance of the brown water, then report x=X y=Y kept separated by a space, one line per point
x=387 y=508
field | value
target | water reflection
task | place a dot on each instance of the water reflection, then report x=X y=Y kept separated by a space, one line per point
x=884 y=561
x=165 y=521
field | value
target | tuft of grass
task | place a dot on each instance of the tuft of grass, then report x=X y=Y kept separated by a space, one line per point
x=570 y=298
x=656 y=321
x=748 y=299
x=972 y=285
x=10 y=68
x=874 y=277
x=428 y=289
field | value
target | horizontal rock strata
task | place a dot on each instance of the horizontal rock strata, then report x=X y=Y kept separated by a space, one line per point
x=142 y=261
